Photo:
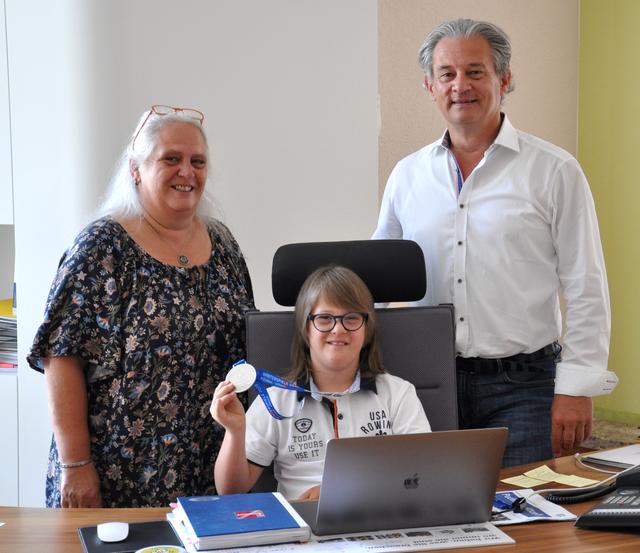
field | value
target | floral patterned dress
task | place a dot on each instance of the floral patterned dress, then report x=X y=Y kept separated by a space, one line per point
x=156 y=340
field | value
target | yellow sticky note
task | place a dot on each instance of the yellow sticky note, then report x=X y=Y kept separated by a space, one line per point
x=6 y=308
x=576 y=481
x=543 y=473
x=524 y=481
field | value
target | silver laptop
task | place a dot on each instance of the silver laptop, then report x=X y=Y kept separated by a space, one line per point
x=407 y=481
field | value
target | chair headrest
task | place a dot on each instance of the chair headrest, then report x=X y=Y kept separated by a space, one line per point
x=394 y=270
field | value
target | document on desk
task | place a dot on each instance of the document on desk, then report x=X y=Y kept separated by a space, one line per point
x=543 y=475
x=536 y=508
x=620 y=457
x=385 y=541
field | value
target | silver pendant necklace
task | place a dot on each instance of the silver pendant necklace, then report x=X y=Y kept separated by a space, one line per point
x=183 y=259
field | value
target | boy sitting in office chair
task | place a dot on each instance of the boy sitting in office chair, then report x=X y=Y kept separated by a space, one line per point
x=336 y=358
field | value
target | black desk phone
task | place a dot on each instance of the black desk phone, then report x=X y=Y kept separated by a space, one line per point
x=620 y=509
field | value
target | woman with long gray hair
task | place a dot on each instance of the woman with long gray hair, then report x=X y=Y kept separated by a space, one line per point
x=144 y=317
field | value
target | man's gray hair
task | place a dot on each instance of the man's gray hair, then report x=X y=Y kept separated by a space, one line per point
x=121 y=200
x=467 y=28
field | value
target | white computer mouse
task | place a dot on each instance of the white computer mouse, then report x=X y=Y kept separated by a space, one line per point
x=113 y=531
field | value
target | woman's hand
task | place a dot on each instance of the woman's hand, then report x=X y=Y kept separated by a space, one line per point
x=311 y=493
x=67 y=390
x=80 y=487
x=226 y=408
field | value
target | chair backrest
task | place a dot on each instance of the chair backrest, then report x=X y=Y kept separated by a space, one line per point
x=417 y=345
x=393 y=270
x=417 y=342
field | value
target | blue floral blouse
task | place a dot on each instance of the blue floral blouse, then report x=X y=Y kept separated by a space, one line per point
x=156 y=340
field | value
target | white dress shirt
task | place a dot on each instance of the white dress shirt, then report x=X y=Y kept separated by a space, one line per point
x=523 y=227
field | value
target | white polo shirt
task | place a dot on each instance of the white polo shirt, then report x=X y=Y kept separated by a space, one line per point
x=523 y=227
x=297 y=445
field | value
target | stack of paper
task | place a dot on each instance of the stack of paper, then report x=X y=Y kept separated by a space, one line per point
x=8 y=336
x=620 y=457
x=216 y=522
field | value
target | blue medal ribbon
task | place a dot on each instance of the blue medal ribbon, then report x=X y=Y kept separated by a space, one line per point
x=264 y=379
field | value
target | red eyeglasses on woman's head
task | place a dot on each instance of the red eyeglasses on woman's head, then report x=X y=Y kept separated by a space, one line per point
x=168 y=110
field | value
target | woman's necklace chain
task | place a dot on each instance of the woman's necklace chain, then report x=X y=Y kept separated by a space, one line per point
x=183 y=259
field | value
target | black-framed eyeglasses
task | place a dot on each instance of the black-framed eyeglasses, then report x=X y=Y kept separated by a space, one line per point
x=325 y=322
x=159 y=109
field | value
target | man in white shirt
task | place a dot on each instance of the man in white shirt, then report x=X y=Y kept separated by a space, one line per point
x=506 y=221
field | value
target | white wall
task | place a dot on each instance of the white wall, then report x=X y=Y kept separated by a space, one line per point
x=6 y=197
x=289 y=90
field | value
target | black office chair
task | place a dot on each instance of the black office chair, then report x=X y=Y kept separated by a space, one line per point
x=417 y=342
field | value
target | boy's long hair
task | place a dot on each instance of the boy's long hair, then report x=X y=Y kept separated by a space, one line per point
x=342 y=287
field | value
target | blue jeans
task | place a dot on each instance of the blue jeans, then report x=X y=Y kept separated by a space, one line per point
x=516 y=392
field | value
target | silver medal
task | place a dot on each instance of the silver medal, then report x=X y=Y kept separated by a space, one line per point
x=242 y=376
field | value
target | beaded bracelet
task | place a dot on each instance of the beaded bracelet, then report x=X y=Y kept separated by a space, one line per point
x=75 y=465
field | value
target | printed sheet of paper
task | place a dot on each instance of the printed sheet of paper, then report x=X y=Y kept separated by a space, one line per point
x=536 y=508
x=386 y=541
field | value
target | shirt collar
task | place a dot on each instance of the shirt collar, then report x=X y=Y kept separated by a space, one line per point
x=507 y=136
x=359 y=383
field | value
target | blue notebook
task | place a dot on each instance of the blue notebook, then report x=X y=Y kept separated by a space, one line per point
x=221 y=521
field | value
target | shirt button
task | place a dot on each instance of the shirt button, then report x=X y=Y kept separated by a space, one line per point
x=459 y=242
x=461 y=319
x=459 y=280
x=461 y=206
x=340 y=416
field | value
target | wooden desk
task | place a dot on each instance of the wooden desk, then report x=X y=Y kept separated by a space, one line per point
x=55 y=530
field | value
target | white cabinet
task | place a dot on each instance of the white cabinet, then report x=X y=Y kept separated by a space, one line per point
x=9 y=439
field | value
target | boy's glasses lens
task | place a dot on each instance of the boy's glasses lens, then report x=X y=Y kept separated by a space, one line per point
x=352 y=321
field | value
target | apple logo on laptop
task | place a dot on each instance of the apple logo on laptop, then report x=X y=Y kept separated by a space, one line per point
x=412 y=483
